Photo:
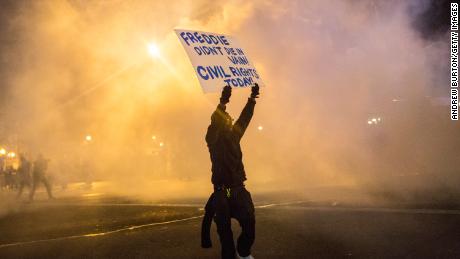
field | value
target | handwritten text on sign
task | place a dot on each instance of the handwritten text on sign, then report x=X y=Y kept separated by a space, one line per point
x=218 y=60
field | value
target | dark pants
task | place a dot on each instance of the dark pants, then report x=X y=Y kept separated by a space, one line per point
x=22 y=183
x=209 y=211
x=37 y=178
x=239 y=206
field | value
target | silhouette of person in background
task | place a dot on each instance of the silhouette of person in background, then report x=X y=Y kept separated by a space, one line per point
x=39 y=175
x=23 y=173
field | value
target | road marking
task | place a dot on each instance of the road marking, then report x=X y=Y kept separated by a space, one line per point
x=98 y=234
x=385 y=210
x=131 y=227
x=284 y=205
x=278 y=204
x=190 y=205
x=127 y=205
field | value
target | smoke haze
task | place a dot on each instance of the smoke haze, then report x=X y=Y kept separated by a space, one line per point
x=71 y=69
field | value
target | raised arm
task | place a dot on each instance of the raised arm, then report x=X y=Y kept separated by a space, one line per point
x=218 y=117
x=246 y=115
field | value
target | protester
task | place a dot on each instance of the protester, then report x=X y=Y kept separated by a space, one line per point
x=23 y=173
x=39 y=175
x=231 y=199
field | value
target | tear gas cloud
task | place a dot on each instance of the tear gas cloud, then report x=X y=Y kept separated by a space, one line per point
x=73 y=69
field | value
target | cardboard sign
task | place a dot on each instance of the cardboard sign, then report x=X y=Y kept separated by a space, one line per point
x=218 y=60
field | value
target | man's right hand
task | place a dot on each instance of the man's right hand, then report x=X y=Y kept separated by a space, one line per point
x=255 y=91
x=226 y=93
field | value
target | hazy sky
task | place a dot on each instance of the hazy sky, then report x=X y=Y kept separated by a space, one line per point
x=72 y=68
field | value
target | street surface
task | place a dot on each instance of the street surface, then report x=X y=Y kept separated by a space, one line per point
x=117 y=227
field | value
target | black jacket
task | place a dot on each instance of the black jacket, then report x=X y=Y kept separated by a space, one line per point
x=224 y=145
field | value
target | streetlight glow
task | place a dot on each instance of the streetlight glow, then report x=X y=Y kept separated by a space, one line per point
x=260 y=127
x=2 y=151
x=375 y=120
x=88 y=138
x=153 y=50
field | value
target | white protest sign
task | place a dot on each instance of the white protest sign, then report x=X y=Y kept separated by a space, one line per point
x=218 y=60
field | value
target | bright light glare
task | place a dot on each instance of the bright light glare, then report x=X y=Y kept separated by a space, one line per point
x=374 y=120
x=154 y=137
x=153 y=50
x=2 y=151
x=89 y=138
x=162 y=144
x=260 y=128
x=11 y=154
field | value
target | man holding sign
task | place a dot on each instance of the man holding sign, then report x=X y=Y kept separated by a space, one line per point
x=231 y=199
x=220 y=60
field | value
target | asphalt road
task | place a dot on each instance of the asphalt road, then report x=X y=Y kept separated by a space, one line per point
x=59 y=229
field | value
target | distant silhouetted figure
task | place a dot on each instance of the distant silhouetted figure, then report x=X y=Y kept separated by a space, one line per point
x=231 y=199
x=23 y=174
x=39 y=175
